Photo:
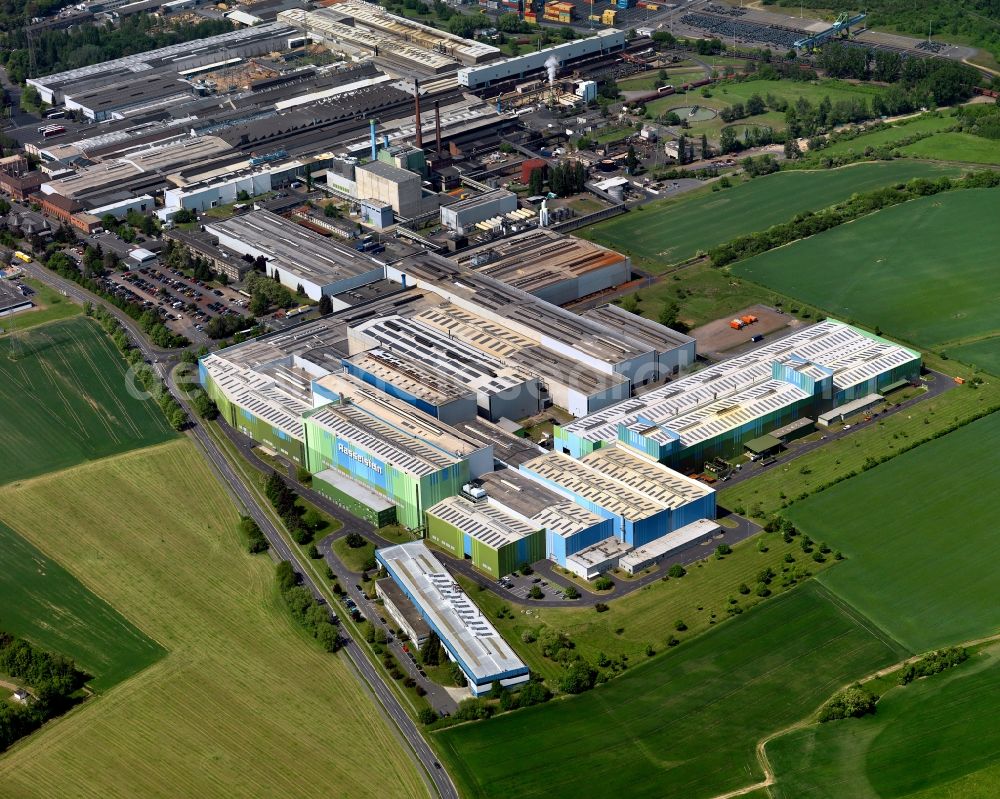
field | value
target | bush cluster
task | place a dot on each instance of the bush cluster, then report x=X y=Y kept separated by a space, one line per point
x=313 y=616
x=934 y=663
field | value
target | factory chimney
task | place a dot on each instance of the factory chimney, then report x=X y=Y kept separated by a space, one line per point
x=371 y=122
x=419 y=139
x=437 y=127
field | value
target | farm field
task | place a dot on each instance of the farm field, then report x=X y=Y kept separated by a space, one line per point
x=985 y=354
x=242 y=704
x=63 y=401
x=920 y=539
x=901 y=130
x=889 y=269
x=956 y=147
x=683 y=725
x=648 y=616
x=765 y=494
x=667 y=232
x=43 y=602
x=50 y=307
x=933 y=739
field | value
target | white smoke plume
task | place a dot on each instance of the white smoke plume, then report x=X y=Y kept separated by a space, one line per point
x=552 y=64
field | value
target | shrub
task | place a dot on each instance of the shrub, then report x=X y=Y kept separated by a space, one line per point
x=427 y=716
x=604 y=583
x=600 y=607
x=677 y=570
x=852 y=702
x=680 y=626
x=571 y=592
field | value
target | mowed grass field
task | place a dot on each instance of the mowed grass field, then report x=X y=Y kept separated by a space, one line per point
x=647 y=617
x=879 y=138
x=936 y=738
x=242 y=704
x=684 y=725
x=923 y=270
x=667 y=232
x=41 y=601
x=63 y=400
x=956 y=147
x=920 y=537
x=50 y=306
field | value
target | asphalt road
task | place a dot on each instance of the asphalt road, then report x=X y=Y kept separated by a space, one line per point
x=162 y=360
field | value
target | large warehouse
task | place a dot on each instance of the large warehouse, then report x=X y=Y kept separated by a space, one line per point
x=470 y=639
x=296 y=255
x=390 y=448
x=494 y=539
x=645 y=499
x=551 y=266
x=712 y=413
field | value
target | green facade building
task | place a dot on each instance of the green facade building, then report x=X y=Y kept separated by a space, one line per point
x=494 y=539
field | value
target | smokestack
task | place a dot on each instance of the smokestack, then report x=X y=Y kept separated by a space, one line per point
x=419 y=140
x=374 y=145
x=437 y=127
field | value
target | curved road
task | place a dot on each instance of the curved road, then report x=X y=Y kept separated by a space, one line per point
x=161 y=361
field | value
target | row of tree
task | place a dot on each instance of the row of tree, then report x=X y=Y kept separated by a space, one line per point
x=305 y=609
x=809 y=223
x=301 y=523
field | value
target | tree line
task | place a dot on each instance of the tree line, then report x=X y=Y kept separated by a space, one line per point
x=53 y=680
x=58 y=50
x=811 y=222
x=312 y=615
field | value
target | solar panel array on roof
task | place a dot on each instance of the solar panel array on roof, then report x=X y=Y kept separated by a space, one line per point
x=487 y=523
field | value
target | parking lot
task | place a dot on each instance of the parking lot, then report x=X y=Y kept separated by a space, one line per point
x=519 y=586
x=186 y=305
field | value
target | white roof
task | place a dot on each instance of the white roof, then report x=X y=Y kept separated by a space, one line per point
x=463 y=628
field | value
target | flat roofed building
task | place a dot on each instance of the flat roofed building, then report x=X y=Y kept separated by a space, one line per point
x=597 y=558
x=297 y=256
x=496 y=540
x=11 y=298
x=678 y=541
x=466 y=214
x=467 y=635
x=646 y=499
x=386 y=183
x=550 y=265
x=508 y=449
x=675 y=351
x=570 y=528
x=711 y=413
x=402 y=611
x=266 y=406
x=575 y=386
x=395 y=449
x=410 y=379
x=501 y=391
x=584 y=340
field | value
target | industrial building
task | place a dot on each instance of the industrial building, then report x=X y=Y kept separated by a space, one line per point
x=463 y=215
x=681 y=539
x=675 y=352
x=713 y=412
x=467 y=635
x=645 y=499
x=603 y=42
x=12 y=299
x=551 y=266
x=389 y=447
x=295 y=255
x=389 y=184
x=402 y=611
x=494 y=539
x=569 y=527
x=417 y=347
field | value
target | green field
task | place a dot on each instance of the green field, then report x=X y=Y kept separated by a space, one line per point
x=923 y=270
x=669 y=231
x=684 y=725
x=936 y=738
x=63 y=400
x=985 y=354
x=43 y=602
x=728 y=94
x=880 y=138
x=50 y=306
x=242 y=704
x=647 y=616
x=920 y=538
x=956 y=147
